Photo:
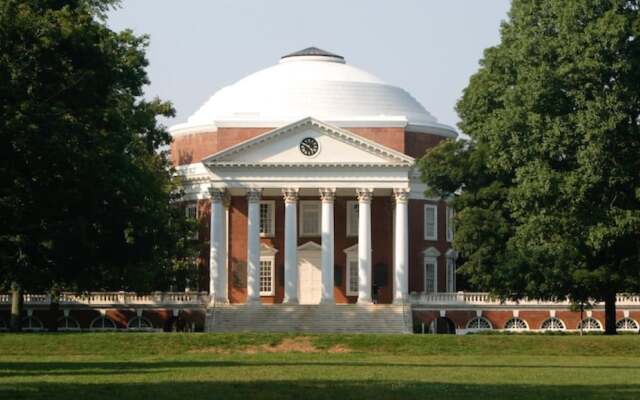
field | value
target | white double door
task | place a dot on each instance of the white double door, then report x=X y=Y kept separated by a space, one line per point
x=310 y=275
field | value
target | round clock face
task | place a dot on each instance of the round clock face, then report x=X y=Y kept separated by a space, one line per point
x=309 y=146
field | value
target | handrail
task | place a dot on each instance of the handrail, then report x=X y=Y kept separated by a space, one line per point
x=115 y=298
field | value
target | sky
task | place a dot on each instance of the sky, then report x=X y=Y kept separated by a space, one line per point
x=428 y=47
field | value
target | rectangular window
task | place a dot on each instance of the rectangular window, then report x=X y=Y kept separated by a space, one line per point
x=191 y=210
x=430 y=274
x=267 y=218
x=451 y=274
x=450 y=215
x=267 y=277
x=352 y=218
x=430 y=222
x=310 y=218
x=352 y=275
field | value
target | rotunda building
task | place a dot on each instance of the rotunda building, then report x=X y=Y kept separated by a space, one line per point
x=303 y=176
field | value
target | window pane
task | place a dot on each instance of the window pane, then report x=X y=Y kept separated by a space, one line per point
x=430 y=277
x=311 y=219
x=353 y=218
x=266 y=277
x=451 y=274
x=265 y=218
x=449 y=223
x=430 y=222
x=353 y=276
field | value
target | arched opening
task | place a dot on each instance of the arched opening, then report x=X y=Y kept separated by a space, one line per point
x=479 y=324
x=553 y=324
x=102 y=323
x=627 y=325
x=140 y=324
x=516 y=324
x=32 y=324
x=442 y=325
x=589 y=325
x=68 y=324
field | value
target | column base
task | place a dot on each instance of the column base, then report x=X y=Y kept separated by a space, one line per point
x=331 y=301
x=290 y=301
x=220 y=301
x=365 y=301
x=253 y=302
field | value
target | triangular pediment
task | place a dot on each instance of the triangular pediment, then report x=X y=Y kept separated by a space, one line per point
x=286 y=146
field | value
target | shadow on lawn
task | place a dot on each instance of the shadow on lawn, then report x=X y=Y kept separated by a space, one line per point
x=312 y=389
x=17 y=369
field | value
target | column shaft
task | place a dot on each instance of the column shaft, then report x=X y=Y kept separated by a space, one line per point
x=401 y=247
x=217 y=245
x=327 y=254
x=253 y=246
x=290 y=246
x=364 y=246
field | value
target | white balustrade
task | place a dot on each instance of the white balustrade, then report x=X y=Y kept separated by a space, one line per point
x=168 y=299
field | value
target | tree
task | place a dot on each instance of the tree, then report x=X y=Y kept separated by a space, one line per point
x=549 y=184
x=87 y=192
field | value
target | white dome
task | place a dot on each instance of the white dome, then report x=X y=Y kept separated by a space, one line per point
x=312 y=83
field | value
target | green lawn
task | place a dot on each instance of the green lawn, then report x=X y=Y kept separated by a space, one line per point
x=252 y=366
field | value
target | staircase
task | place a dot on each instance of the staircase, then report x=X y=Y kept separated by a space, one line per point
x=320 y=318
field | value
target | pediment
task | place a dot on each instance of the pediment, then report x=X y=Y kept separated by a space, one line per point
x=431 y=252
x=309 y=246
x=282 y=147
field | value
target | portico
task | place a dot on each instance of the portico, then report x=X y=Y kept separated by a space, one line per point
x=263 y=169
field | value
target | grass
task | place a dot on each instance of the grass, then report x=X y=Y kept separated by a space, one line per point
x=273 y=366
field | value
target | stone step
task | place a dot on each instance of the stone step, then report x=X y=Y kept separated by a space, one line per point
x=343 y=318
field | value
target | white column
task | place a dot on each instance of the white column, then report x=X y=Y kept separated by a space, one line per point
x=290 y=246
x=327 y=196
x=224 y=271
x=216 y=249
x=364 y=245
x=253 y=246
x=401 y=247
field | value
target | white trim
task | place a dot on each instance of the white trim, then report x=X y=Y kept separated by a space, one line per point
x=352 y=231
x=433 y=207
x=271 y=259
x=478 y=318
x=271 y=209
x=304 y=204
x=434 y=261
x=352 y=257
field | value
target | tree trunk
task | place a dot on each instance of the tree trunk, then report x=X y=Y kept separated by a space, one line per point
x=610 y=314
x=15 y=324
x=54 y=309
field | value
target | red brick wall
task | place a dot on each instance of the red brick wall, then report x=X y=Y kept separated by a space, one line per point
x=191 y=148
x=417 y=245
x=416 y=144
x=381 y=233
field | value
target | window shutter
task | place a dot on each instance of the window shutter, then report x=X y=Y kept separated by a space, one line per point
x=281 y=275
x=338 y=272
x=380 y=276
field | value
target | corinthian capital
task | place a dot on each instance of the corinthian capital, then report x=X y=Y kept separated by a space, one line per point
x=401 y=195
x=290 y=195
x=327 y=195
x=254 y=195
x=364 y=195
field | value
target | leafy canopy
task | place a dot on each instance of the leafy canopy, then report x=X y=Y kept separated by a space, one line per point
x=547 y=190
x=86 y=192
